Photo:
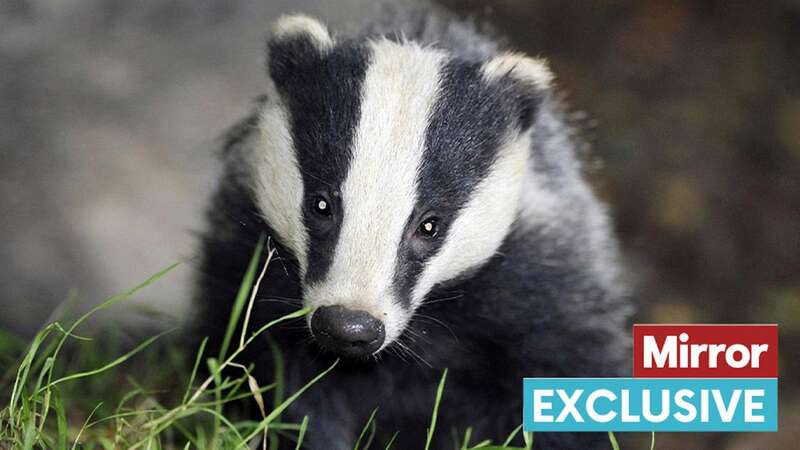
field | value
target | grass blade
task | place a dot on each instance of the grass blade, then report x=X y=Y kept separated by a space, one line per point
x=512 y=436
x=194 y=369
x=241 y=297
x=527 y=436
x=108 y=366
x=254 y=291
x=613 y=440
x=302 y=434
x=119 y=297
x=364 y=430
x=280 y=382
x=277 y=411
x=295 y=315
x=105 y=304
x=391 y=441
x=23 y=371
x=439 y=392
x=85 y=426
x=61 y=421
x=467 y=437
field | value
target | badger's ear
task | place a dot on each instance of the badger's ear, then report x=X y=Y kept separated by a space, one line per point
x=531 y=79
x=294 y=41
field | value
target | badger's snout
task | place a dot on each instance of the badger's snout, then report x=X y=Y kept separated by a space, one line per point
x=347 y=332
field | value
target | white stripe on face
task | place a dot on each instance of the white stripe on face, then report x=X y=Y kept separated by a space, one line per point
x=379 y=193
x=483 y=223
x=278 y=183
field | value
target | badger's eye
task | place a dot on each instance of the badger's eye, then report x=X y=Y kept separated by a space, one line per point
x=429 y=228
x=321 y=206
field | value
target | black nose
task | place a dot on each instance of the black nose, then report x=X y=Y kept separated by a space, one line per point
x=347 y=332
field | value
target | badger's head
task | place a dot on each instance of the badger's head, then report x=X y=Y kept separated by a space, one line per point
x=387 y=168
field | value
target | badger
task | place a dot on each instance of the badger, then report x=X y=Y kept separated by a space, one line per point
x=422 y=191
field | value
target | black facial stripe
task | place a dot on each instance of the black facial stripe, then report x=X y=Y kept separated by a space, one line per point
x=465 y=130
x=323 y=95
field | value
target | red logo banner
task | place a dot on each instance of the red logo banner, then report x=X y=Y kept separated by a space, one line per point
x=705 y=351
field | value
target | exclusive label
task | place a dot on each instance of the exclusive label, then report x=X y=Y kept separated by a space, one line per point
x=650 y=404
x=719 y=351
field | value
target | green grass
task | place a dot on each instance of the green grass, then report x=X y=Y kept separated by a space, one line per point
x=68 y=391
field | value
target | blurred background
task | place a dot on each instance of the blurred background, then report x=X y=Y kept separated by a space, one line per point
x=110 y=113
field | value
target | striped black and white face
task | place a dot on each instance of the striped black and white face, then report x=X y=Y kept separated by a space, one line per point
x=388 y=168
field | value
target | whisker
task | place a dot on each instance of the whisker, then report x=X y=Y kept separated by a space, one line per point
x=282 y=261
x=290 y=301
x=281 y=297
x=443 y=299
x=415 y=335
x=306 y=172
x=412 y=352
x=438 y=322
x=396 y=350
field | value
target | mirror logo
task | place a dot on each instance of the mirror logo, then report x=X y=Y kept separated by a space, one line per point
x=685 y=378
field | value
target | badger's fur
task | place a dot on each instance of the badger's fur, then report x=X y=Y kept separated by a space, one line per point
x=419 y=176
